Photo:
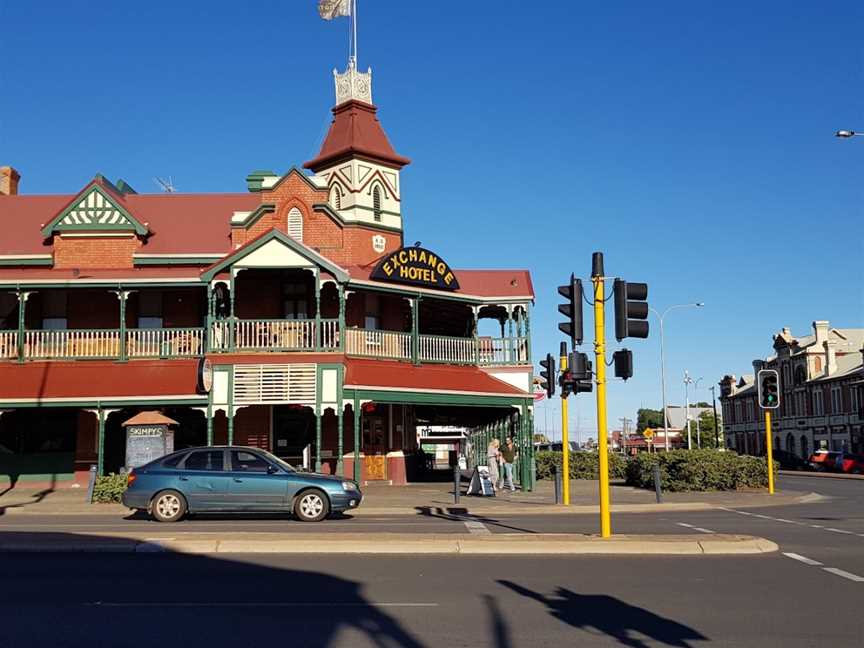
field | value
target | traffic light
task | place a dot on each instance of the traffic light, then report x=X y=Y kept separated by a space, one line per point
x=581 y=373
x=572 y=309
x=631 y=309
x=623 y=360
x=769 y=392
x=548 y=376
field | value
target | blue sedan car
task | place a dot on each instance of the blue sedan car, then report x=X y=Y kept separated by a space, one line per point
x=234 y=479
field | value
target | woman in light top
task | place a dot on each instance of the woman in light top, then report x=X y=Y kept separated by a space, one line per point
x=493 y=458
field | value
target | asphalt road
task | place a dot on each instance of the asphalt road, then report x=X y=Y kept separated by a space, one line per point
x=809 y=594
x=121 y=600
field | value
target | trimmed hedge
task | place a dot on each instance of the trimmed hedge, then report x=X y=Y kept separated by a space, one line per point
x=699 y=470
x=583 y=465
x=109 y=488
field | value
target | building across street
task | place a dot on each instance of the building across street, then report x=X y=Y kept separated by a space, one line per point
x=821 y=378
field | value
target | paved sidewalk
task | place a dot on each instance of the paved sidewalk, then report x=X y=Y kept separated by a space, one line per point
x=386 y=543
x=435 y=497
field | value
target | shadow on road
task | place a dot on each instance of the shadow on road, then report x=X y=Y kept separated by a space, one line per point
x=462 y=515
x=167 y=599
x=613 y=617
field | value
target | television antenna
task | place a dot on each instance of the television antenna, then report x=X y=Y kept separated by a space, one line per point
x=166 y=184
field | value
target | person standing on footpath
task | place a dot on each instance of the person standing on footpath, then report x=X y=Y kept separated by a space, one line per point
x=508 y=459
x=493 y=457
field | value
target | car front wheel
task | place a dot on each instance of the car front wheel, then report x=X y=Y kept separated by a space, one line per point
x=168 y=506
x=311 y=506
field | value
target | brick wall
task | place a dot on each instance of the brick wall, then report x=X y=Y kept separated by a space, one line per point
x=94 y=252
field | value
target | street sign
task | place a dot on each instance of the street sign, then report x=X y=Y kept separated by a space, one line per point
x=648 y=433
x=539 y=392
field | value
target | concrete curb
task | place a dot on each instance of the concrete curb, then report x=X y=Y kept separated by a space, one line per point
x=821 y=475
x=411 y=544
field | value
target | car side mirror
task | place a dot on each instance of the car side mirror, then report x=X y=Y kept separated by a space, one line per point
x=272 y=470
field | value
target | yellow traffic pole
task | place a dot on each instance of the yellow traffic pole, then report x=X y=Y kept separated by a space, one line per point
x=600 y=376
x=565 y=440
x=769 y=451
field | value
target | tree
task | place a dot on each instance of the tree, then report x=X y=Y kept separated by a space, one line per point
x=700 y=404
x=708 y=430
x=648 y=418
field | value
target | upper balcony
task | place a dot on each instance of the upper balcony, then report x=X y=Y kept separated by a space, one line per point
x=273 y=312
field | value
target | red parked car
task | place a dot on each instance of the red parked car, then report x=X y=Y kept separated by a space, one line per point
x=835 y=461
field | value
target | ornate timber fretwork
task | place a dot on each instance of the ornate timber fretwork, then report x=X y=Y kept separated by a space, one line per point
x=95 y=209
x=352 y=84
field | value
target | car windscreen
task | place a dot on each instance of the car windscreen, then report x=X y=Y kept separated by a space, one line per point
x=276 y=460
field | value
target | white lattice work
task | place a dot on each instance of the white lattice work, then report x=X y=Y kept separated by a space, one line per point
x=274 y=384
x=95 y=209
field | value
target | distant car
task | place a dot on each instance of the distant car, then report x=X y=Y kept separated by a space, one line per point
x=234 y=479
x=852 y=464
x=791 y=461
x=825 y=460
x=556 y=447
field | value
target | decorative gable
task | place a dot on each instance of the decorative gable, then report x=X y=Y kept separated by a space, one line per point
x=97 y=209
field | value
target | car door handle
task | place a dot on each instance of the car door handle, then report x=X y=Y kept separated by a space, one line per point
x=238 y=480
x=183 y=478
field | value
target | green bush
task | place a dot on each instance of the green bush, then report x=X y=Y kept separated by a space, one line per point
x=109 y=488
x=583 y=465
x=698 y=470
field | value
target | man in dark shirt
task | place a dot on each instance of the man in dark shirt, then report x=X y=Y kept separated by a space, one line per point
x=508 y=457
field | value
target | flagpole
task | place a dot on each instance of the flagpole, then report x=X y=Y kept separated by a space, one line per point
x=354 y=20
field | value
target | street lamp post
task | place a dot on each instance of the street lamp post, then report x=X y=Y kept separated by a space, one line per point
x=660 y=316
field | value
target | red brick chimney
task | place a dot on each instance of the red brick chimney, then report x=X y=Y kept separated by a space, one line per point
x=9 y=178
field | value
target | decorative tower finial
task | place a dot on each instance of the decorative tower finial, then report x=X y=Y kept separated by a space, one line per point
x=352 y=84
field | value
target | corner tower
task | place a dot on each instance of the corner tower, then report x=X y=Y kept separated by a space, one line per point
x=357 y=163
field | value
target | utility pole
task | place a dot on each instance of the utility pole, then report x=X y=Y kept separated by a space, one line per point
x=716 y=422
x=624 y=428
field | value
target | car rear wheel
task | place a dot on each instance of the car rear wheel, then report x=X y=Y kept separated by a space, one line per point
x=168 y=506
x=311 y=506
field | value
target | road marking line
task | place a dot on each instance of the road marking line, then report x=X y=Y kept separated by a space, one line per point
x=764 y=517
x=786 y=521
x=245 y=604
x=816 y=526
x=844 y=574
x=695 y=528
x=838 y=530
x=803 y=559
x=476 y=527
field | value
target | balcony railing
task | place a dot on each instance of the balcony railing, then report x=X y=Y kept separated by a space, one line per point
x=273 y=335
x=378 y=344
x=8 y=344
x=262 y=335
x=71 y=344
x=164 y=343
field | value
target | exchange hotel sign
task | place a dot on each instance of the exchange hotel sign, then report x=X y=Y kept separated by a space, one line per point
x=418 y=267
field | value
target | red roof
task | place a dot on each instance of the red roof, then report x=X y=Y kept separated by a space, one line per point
x=86 y=275
x=93 y=379
x=180 y=223
x=389 y=374
x=355 y=130
x=481 y=283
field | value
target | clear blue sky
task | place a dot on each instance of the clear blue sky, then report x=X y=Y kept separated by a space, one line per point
x=690 y=141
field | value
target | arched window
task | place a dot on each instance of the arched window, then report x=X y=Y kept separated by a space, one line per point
x=376 y=203
x=336 y=197
x=790 y=443
x=805 y=449
x=295 y=224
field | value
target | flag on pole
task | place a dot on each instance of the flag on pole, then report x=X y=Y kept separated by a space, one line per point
x=330 y=9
